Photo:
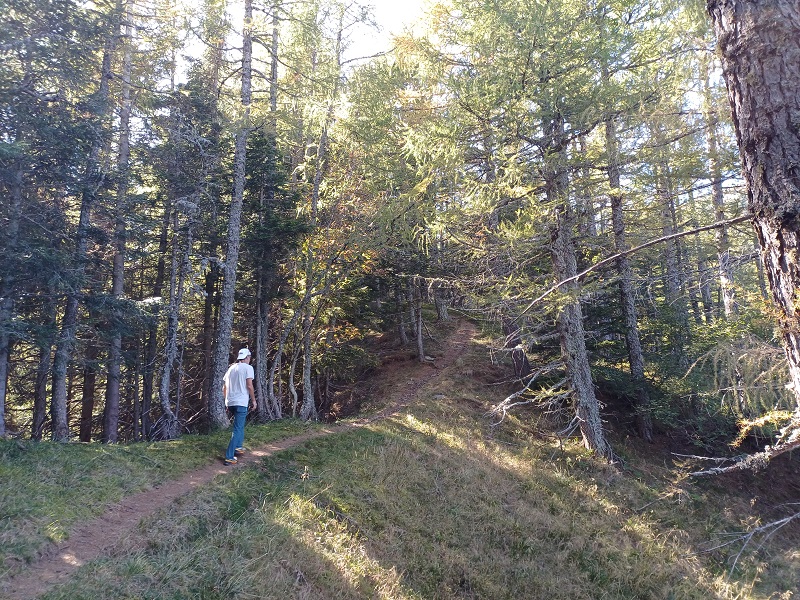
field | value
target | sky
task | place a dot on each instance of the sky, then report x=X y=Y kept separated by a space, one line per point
x=393 y=16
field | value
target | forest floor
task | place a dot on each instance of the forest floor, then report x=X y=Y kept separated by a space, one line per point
x=56 y=564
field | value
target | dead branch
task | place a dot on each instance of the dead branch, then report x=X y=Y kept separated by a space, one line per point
x=508 y=403
x=758 y=461
x=768 y=530
x=614 y=257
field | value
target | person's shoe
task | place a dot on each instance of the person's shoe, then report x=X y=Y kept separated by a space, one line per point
x=238 y=452
x=230 y=461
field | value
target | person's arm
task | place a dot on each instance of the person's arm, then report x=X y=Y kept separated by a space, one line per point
x=251 y=390
x=224 y=391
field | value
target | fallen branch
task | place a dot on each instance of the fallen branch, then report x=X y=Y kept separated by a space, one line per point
x=768 y=530
x=757 y=461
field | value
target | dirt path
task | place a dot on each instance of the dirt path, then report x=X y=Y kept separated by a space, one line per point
x=92 y=539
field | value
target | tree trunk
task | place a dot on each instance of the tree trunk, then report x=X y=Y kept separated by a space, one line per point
x=633 y=342
x=759 y=42
x=673 y=274
x=415 y=306
x=400 y=310
x=151 y=347
x=262 y=349
x=570 y=317
x=111 y=412
x=267 y=408
x=40 y=391
x=88 y=393
x=168 y=426
x=93 y=179
x=7 y=294
x=308 y=410
x=573 y=338
x=275 y=400
x=513 y=342
x=440 y=301
x=216 y=407
x=724 y=268
x=216 y=29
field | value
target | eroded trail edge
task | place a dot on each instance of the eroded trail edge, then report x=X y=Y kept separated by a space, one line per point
x=97 y=537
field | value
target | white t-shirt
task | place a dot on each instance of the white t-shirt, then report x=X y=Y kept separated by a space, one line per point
x=236 y=384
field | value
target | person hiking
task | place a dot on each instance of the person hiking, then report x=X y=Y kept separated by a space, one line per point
x=237 y=388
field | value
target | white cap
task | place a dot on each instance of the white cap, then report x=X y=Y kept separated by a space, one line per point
x=243 y=353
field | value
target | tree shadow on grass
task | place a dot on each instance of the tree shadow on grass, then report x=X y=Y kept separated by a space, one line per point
x=407 y=509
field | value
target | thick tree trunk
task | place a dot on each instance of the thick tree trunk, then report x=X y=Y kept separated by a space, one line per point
x=216 y=406
x=111 y=411
x=759 y=42
x=513 y=342
x=635 y=355
x=440 y=301
x=573 y=338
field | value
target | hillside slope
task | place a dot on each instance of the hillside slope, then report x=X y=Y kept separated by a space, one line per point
x=423 y=499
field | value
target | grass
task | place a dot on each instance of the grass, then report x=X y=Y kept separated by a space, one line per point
x=49 y=487
x=431 y=503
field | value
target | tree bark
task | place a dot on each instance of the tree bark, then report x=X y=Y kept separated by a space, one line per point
x=93 y=179
x=633 y=342
x=88 y=393
x=168 y=426
x=151 y=347
x=724 y=268
x=513 y=342
x=759 y=42
x=40 y=390
x=267 y=408
x=7 y=293
x=111 y=411
x=573 y=338
x=400 y=310
x=308 y=410
x=216 y=406
x=570 y=318
x=673 y=274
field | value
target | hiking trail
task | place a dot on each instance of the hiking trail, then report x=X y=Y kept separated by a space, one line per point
x=95 y=538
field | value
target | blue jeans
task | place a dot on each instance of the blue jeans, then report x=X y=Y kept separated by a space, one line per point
x=237 y=436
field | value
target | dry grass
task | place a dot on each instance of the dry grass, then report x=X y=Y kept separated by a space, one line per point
x=434 y=503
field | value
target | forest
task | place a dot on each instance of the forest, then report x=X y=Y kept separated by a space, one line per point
x=180 y=180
